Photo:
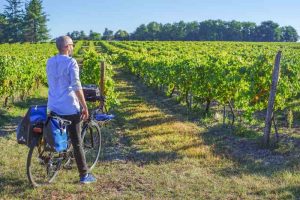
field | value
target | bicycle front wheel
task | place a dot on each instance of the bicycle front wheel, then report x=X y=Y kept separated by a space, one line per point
x=41 y=165
x=91 y=137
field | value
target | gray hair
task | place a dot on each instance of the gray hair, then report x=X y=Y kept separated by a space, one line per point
x=62 y=41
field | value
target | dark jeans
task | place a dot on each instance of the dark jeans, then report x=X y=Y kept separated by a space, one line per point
x=75 y=134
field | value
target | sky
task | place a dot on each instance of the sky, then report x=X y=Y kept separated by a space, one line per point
x=96 y=15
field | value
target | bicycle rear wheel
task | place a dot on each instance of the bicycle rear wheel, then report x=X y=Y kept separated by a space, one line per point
x=42 y=167
x=91 y=137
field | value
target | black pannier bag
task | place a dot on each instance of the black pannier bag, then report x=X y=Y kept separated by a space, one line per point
x=91 y=93
x=35 y=117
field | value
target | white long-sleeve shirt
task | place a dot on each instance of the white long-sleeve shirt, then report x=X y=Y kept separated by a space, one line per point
x=63 y=81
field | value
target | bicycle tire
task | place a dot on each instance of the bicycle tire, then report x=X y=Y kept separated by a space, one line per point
x=91 y=139
x=40 y=168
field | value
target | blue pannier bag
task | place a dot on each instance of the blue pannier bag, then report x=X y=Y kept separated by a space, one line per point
x=38 y=114
x=35 y=115
x=55 y=134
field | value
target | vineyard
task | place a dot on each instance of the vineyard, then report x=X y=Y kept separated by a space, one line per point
x=238 y=74
x=166 y=140
x=234 y=74
x=20 y=68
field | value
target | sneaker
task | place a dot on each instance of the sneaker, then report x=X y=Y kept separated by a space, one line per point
x=88 y=178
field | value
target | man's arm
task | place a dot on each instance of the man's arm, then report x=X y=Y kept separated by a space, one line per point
x=84 y=112
x=76 y=85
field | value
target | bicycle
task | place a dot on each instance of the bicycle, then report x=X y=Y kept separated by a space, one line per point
x=43 y=166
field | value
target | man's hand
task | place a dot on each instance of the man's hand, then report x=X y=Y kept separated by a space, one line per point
x=84 y=114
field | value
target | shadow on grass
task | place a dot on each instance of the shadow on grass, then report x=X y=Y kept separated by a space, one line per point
x=12 y=115
x=124 y=149
x=289 y=192
x=31 y=101
x=13 y=186
x=246 y=152
x=134 y=94
x=144 y=123
x=149 y=95
x=156 y=157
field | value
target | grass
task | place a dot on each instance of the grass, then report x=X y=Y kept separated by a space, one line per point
x=152 y=152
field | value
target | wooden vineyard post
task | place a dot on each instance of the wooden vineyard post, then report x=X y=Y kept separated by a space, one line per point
x=102 y=84
x=269 y=115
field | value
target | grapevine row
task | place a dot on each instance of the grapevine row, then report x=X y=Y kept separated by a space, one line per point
x=202 y=72
x=22 y=68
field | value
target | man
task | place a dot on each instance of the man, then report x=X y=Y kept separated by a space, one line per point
x=65 y=96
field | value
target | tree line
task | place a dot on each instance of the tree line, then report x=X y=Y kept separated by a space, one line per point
x=208 y=30
x=27 y=22
x=23 y=22
x=217 y=30
x=107 y=35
